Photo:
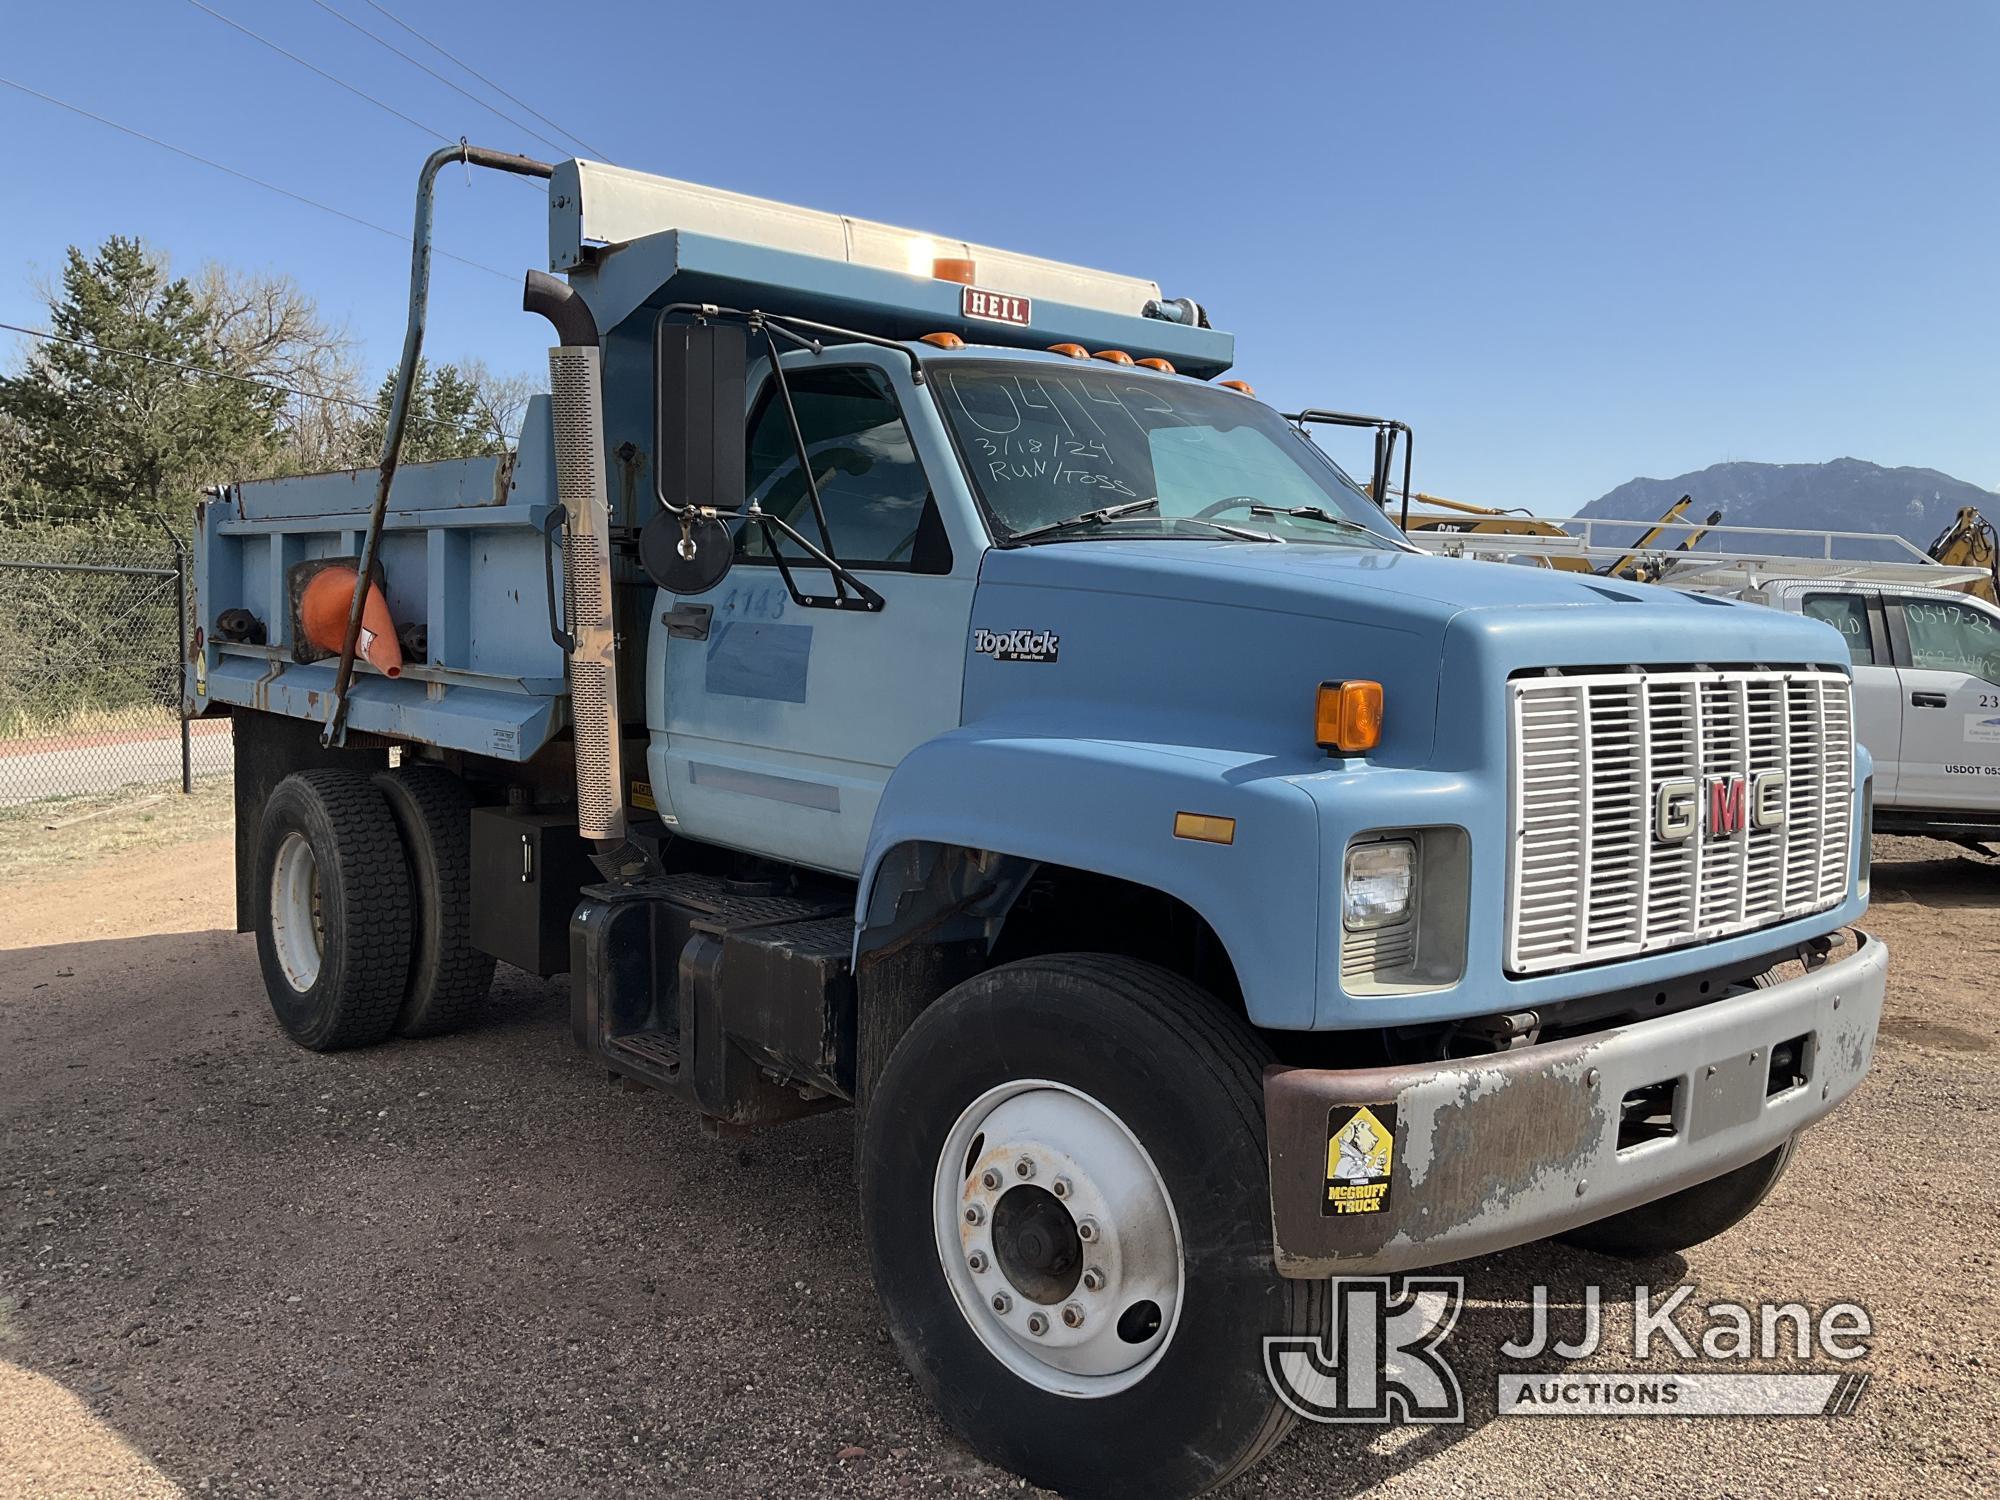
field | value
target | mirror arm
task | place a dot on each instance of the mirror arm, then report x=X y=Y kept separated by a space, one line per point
x=1386 y=429
x=866 y=598
x=799 y=446
x=786 y=324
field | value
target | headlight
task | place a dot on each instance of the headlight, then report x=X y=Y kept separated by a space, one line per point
x=1379 y=884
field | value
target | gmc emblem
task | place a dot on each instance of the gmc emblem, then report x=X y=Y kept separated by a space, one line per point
x=1718 y=805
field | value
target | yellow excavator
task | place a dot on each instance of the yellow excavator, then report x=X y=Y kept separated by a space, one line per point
x=1484 y=520
x=1969 y=542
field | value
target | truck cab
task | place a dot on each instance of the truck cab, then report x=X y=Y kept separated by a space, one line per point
x=957 y=701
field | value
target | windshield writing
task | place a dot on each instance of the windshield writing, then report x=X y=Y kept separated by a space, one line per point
x=1044 y=444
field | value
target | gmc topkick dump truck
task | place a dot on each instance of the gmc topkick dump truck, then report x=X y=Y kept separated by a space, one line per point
x=901 y=673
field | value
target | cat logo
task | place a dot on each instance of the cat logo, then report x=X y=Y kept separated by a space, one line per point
x=1360 y=1147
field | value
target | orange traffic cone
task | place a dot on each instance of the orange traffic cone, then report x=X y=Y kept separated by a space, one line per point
x=323 y=607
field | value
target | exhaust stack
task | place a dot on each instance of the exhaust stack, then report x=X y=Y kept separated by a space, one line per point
x=575 y=391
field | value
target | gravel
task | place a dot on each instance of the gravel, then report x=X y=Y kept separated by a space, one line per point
x=477 y=1267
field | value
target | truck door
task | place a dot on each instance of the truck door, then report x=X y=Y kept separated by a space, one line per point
x=775 y=728
x=1878 y=715
x=1948 y=650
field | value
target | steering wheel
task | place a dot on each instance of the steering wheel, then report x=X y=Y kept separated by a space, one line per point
x=1234 y=502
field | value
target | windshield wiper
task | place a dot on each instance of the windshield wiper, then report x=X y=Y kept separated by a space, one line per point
x=1131 y=508
x=1242 y=532
x=1314 y=513
x=1088 y=518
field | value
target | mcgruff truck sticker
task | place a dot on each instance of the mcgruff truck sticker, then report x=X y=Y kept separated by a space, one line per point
x=1360 y=1148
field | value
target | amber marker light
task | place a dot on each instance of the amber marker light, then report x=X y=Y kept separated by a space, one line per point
x=1156 y=364
x=1242 y=386
x=954 y=268
x=1347 y=716
x=1074 y=351
x=1113 y=356
x=944 y=340
x=1205 y=828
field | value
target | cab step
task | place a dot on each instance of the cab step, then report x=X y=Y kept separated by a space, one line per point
x=734 y=995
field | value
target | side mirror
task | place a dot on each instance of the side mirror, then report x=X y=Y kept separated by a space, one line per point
x=700 y=430
x=701 y=427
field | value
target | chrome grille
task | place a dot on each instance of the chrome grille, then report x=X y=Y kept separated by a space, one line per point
x=1589 y=878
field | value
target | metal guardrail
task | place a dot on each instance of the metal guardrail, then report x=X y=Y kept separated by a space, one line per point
x=1819 y=555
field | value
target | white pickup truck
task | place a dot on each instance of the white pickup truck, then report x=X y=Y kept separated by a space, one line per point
x=1926 y=697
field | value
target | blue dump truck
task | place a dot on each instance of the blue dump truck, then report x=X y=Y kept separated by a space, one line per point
x=900 y=673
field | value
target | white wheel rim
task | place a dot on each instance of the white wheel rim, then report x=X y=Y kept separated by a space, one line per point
x=298 y=933
x=1005 y=1237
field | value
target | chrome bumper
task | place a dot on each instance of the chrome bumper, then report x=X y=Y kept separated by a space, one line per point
x=1494 y=1151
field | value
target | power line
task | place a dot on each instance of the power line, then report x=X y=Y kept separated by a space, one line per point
x=338 y=213
x=430 y=130
x=174 y=364
x=520 y=103
x=341 y=82
x=416 y=63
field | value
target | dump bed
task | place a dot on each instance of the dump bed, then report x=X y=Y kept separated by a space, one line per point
x=464 y=550
x=462 y=556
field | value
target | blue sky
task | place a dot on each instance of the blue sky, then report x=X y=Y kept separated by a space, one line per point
x=1570 y=243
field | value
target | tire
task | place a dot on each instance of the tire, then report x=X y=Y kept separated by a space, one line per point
x=1182 y=1077
x=1685 y=1218
x=448 y=977
x=333 y=909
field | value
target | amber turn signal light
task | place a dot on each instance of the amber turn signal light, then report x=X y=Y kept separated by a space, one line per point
x=1348 y=716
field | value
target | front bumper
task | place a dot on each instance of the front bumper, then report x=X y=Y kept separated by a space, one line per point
x=1494 y=1151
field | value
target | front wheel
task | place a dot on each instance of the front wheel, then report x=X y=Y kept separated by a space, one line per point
x=1065 y=1191
x=1686 y=1218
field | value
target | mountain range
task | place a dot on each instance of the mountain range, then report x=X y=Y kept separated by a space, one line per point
x=1848 y=494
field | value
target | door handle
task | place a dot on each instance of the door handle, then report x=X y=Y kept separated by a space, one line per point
x=1928 y=700
x=688 y=621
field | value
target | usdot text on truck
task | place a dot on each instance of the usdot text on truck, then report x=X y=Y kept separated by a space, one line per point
x=909 y=675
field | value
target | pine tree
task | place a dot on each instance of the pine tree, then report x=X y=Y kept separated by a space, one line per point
x=450 y=415
x=117 y=439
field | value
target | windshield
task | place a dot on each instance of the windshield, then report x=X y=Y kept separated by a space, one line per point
x=1051 y=450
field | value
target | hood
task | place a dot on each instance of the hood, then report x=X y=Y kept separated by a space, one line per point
x=1151 y=634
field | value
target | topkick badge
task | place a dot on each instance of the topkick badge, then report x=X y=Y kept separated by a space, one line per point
x=1016 y=645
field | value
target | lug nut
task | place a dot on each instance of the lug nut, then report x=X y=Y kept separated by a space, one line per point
x=1037 y=1324
x=1086 y=1230
x=1093 y=1280
x=1002 y=1303
x=990 y=1179
x=974 y=1214
x=1025 y=1167
x=1072 y=1316
x=1060 y=1187
x=976 y=1261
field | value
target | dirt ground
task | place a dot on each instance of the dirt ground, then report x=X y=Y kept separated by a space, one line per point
x=473 y=1267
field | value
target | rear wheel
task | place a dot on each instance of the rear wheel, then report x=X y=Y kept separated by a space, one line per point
x=1066 y=1197
x=333 y=920
x=448 y=977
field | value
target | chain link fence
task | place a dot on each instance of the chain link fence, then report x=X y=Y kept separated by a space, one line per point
x=93 y=621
